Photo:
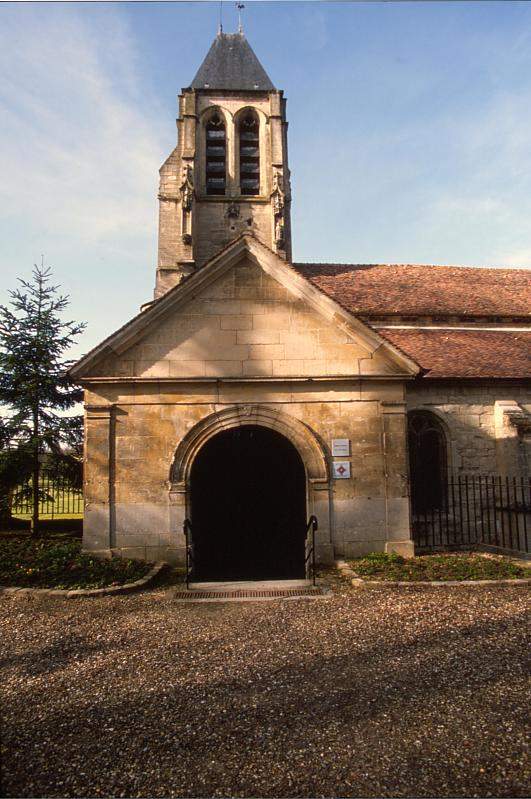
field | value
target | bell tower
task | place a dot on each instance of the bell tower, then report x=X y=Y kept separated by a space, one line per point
x=229 y=171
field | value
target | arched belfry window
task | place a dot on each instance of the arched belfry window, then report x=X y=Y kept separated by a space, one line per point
x=427 y=461
x=248 y=130
x=216 y=155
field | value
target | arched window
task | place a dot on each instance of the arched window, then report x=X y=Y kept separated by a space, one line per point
x=427 y=461
x=216 y=155
x=249 y=154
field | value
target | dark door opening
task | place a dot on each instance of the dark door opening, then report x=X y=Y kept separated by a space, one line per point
x=427 y=462
x=248 y=496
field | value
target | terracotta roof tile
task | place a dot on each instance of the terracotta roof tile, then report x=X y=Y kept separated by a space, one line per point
x=384 y=289
x=465 y=353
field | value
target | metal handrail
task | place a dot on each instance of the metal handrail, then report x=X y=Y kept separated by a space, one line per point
x=309 y=561
x=187 y=530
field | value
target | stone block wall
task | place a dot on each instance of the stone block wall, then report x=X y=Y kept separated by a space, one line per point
x=143 y=511
x=191 y=236
x=215 y=228
x=479 y=439
x=246 y=324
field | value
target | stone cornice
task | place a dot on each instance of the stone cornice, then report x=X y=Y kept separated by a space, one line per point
x=87 y=381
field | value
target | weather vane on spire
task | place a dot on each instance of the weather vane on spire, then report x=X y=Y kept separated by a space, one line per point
x=240 y=7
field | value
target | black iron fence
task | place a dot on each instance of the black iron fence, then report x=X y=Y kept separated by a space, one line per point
x=189 y=551
x=57 y=497
x=309 y=548
x=491 y=510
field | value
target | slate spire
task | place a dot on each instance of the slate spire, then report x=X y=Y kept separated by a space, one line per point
x=231 y=64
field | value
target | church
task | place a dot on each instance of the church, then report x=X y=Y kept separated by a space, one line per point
x=256 y=400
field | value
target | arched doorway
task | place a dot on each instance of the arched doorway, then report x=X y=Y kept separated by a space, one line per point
x=248 y=506
x=427 y=461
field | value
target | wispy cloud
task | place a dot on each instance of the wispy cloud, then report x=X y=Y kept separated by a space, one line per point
x=444 y=178
x=484 y=201
x=79 y=140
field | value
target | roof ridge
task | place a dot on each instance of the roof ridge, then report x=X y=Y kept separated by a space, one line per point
x=420 y=266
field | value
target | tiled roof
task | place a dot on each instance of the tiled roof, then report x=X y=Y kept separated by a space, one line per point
x=465 y=353
x=383 y=289
x=231 y=64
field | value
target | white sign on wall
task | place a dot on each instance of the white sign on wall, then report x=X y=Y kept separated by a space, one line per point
x=341 y=470
x=341 y=447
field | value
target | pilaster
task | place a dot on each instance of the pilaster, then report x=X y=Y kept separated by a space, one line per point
x=394 y=445
x=99 y=479
x=319 y=502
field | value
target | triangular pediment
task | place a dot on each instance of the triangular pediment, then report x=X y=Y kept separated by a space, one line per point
x=247 y=314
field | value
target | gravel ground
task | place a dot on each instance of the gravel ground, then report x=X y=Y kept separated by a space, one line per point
x=374 y=692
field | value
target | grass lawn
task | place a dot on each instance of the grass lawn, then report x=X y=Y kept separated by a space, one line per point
x=64 y=503
x=48 y=516
x=454 y=566
x=57 y=562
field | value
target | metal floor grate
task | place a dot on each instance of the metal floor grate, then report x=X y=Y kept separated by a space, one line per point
x=249 y=593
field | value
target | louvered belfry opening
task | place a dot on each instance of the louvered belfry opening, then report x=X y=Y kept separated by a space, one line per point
x=249 y=154
x=216 y=155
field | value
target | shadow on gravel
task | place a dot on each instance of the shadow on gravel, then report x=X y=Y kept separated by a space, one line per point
x=337 y=710
x=54 y=656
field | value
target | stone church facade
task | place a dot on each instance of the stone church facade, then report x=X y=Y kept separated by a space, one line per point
x=254 y=392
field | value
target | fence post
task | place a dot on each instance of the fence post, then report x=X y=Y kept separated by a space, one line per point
x=524 y=513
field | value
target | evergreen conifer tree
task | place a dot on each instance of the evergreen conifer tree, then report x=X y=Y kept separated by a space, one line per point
x=35 y=391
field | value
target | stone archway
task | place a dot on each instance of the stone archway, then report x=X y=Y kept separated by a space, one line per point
x=307 y=444
x=248 y=507
x=428 y=461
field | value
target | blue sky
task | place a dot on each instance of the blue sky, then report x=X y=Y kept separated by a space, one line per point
x=410 y=134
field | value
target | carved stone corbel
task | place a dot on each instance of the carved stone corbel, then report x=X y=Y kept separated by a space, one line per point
x=186 y=190
x=233 y=211
x=519 y=419
x=280 y=198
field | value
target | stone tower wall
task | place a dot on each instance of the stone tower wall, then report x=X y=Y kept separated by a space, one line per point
x=194 y=226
